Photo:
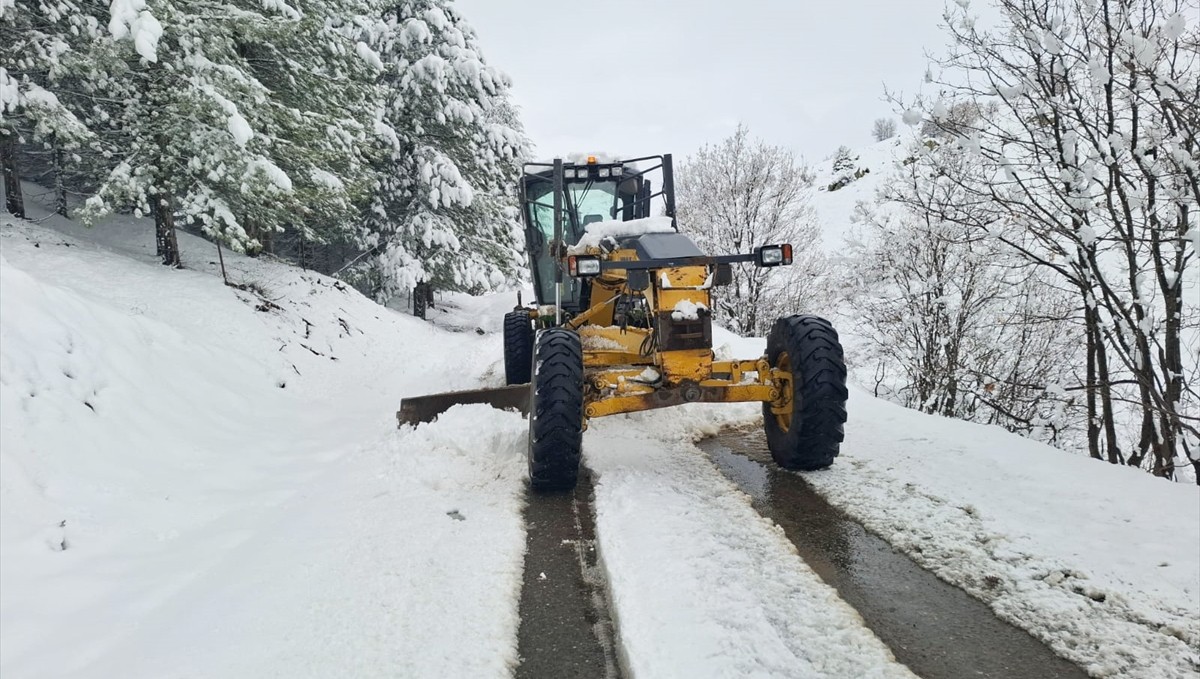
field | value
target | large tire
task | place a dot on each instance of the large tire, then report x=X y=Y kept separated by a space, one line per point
x=811 y=436
x=556 y=411
x=518 y=347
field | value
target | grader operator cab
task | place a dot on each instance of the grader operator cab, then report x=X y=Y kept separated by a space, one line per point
x=622 y=323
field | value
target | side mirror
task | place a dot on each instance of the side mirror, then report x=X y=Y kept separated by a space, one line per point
x=723 y=275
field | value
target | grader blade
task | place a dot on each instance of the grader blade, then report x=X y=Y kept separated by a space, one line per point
x=418 y=409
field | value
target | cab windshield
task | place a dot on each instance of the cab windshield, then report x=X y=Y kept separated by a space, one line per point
x=584 y=203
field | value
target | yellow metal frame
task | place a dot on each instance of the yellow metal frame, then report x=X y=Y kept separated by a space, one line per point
x=614 y=362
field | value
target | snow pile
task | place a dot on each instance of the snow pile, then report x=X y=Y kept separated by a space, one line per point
x=599 y=343
x=648 y=375
x=131 y=18
x=598 y=231
x=687 y=310
x=278 y=179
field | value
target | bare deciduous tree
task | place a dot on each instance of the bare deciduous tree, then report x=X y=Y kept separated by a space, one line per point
x=741 y=194
x=883 y=128
x=961 y=323
x=1087 y=138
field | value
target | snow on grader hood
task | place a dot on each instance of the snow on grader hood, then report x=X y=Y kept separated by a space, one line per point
x=622 y=323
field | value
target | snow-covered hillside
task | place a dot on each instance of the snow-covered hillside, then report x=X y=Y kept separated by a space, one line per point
x=869 y=166
x=171 y=445
x=201 y=478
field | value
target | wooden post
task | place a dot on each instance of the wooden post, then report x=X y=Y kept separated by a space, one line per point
x=221 y=258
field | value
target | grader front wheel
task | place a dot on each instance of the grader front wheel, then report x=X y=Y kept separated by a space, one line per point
x=807 y=433
x=556 y=411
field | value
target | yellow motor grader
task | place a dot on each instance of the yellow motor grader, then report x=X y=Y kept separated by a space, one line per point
x=623 y=323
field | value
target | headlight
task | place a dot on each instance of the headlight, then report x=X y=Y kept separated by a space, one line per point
x=569 y=173
x=773 y=255
x=605 y=172
x=583 y=267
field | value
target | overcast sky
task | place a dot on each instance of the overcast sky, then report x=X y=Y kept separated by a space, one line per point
x=643 y=76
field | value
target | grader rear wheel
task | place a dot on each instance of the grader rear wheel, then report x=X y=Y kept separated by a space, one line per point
x=808 y=434
x=518 y=347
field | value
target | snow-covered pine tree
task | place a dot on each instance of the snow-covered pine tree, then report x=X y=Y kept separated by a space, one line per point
x=42 y=45
x=323 y=95
x=450 y=158
x=201 y=136
x=843 y=162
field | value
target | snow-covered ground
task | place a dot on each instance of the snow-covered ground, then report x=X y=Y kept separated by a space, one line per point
x=194 y=477
x=201 y=479
x=1101 y=562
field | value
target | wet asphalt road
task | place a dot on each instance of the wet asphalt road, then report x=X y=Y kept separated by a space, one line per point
x=565 y=628
x=936 y=629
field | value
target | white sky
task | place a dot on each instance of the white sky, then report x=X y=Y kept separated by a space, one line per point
x=639 y=77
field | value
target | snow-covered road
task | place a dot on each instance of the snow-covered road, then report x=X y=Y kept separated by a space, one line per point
x=701 y=584
x=345 y=579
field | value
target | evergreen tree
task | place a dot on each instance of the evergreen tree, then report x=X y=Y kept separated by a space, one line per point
x=318 y=119
x=237 y=118
x=42 y=45
x=449 y=159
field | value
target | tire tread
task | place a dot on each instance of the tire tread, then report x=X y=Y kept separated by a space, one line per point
x=556 y=411
x=814 y=437
x=518 y=347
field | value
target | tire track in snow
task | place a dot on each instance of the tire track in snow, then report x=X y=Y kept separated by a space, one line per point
x=565 y=628
x=936 y=629
x=701 y=585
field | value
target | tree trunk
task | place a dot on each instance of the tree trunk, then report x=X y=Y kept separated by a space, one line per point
x=254 y=248
x=60 y=184
x=420 y=297
x=14 y=199
x=1169 y=265
x=1093 y=417
x=164 y=230
x=1112 y=448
